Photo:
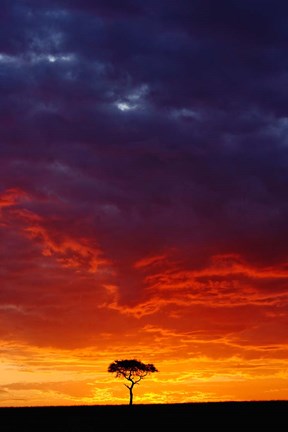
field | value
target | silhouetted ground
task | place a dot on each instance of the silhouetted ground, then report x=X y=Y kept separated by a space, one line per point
x=230 y=416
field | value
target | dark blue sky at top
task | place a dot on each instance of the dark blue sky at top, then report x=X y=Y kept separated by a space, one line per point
x=151 y=125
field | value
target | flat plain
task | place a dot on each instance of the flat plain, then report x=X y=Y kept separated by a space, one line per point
x=228 y=416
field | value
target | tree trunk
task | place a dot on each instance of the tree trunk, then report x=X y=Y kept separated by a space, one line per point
x=131 y=396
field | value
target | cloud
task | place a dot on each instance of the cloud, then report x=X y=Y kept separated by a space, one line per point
x=143 y=164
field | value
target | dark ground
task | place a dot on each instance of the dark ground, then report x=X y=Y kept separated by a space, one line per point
x=229 y=416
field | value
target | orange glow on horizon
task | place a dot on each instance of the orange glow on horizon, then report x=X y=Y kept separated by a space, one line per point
x=216 y=332
x=55 y=377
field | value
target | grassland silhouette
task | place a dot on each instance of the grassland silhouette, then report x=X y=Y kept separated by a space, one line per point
x=229 y=416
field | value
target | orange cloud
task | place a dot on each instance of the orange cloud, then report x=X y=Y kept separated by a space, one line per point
x=70 y=249
x=11 y=197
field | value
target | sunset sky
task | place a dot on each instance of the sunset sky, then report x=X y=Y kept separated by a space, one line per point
x=143 y=200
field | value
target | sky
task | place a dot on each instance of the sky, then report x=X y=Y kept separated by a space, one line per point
x=143 y=200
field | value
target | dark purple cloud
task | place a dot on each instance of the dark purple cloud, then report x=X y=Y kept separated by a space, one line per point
x=163 y=124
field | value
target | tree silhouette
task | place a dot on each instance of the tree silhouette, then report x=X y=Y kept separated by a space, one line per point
x=133 y=371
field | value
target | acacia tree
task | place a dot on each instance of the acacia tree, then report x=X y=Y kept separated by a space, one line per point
x=133 y=371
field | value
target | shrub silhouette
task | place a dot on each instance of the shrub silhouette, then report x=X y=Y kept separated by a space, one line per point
x=133 y=371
